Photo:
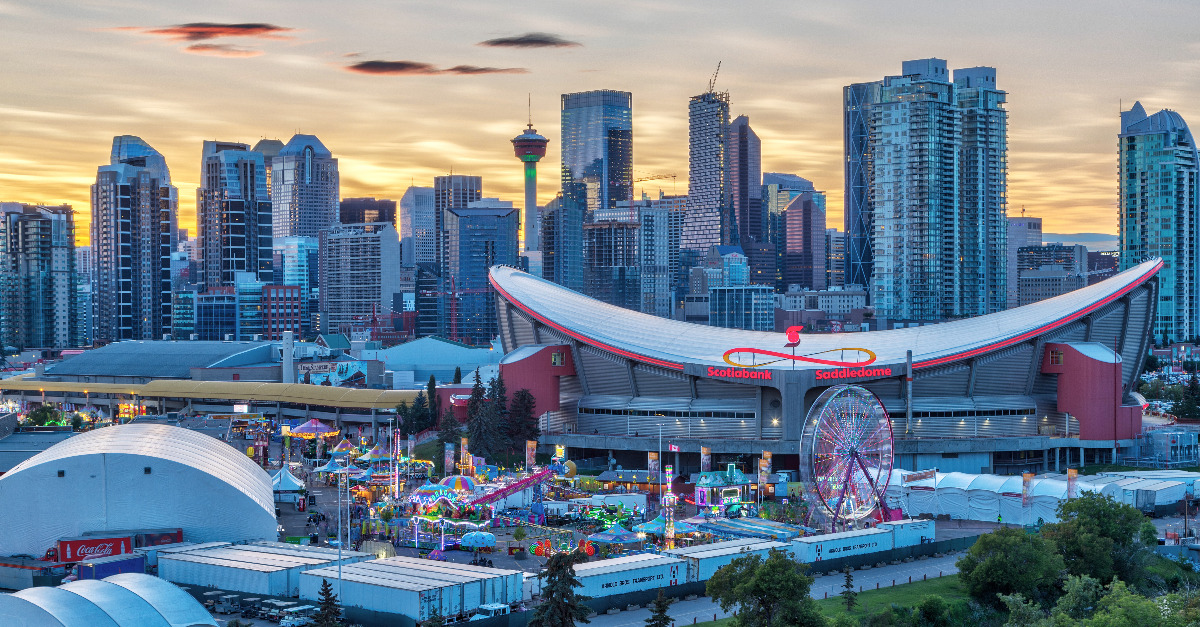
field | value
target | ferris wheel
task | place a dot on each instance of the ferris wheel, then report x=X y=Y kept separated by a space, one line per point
x=846 y=453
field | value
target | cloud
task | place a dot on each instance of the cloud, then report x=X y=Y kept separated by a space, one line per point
x=530 y=40
x=222 y=50
x=418 y=68
x=202 y=31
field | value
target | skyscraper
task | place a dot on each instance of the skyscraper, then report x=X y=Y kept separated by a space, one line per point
x=745 y=178
x=1022 y=232
x=453 y=191
x=530 y=148
x=709 y=220
x=778 y=191
x=597 y=148
x=926 y=185
x=133 y=235
x=359 y=273
x=1159 y=210
x=478 y=237
x=835 y=258
x=233 y=213
x=39 y=291
x=660 y=223
x=562 y=242
x=611 y=262
x=418 y=226
x=804 y=242
x=305 y=188
x=295 y=261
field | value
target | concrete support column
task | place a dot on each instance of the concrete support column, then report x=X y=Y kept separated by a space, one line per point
x=1056 y=460
x=1082 y=461
x=611 y=457
x=374 y=425
x=1045 y=460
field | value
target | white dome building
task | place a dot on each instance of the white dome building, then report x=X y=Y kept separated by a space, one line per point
x=135 y=476
x=126 y=600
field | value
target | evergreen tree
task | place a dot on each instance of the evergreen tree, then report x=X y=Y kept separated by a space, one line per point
x=561 y=607
x=849 y=595
x=457 y=375
x=420 y=413
x=449 y=429
x=521 y=424
x=403 y=414
x=498 y=405
x=483 y=422
x=658 y=612
x=329 y=615
x=431 y=397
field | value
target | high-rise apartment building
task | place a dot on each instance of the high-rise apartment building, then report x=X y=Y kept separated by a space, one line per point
x=804 y=242
x=478 y=237
x=364 y=210
x=305 y=188
x=660 y=224
x=710 y=221
x=1159 y=211
x=233 y=213
x=1022 y=232
x=597 y=148
x=359 y=274
x=133 y=234
x=39 y=281
x=84 y=279
x=417 y=223
x=926 y=191
x=1049 y=270
x=835 y=258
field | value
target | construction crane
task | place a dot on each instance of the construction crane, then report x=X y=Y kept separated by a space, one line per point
x=712 y=82
x=654 y=177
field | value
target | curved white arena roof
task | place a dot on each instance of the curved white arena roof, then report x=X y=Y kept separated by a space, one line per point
x=137 y=476
x=672 y=344
x=126 y=600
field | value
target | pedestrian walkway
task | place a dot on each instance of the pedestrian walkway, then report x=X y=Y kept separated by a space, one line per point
x=704 y=609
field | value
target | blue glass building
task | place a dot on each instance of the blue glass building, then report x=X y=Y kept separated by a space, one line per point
x=597 y=148
x=478 y=237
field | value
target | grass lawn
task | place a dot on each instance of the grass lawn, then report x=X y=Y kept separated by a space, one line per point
x=871 y=601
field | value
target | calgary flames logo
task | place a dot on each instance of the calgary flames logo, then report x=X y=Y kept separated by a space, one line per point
x=739 y=356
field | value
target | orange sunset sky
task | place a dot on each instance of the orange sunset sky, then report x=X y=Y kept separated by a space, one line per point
x=453 y=86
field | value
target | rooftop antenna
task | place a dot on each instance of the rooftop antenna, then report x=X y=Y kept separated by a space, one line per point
x=712 y=82
x=529 y=108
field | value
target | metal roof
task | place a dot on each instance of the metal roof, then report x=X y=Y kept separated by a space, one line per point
x=702 y=551
x=229 y=390
x=126 y=600
x=672 y=344
x=146 y=358
x=627 y=562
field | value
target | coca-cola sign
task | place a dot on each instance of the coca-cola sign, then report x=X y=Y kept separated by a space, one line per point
x=78 y=549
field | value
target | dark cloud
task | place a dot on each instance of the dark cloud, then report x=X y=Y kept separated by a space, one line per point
x=530 y=40
x=409 y=68
x=222 y=50
x=201 y=31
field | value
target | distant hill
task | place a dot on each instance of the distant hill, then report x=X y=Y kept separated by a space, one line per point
x=1093 y=241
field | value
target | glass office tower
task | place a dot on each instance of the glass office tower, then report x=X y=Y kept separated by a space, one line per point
x=597 y=148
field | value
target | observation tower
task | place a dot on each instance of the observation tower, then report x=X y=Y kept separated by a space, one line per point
x=530 y=148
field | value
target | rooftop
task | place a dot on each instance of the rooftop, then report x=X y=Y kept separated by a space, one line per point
x=159 y=359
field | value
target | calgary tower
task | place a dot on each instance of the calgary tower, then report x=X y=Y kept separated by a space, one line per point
x=530 y=148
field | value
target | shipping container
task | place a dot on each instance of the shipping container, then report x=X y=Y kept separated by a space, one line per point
x=631 y=573
x=414 y=587
x=811 y=549
x=286 y=562
x=706 y=559
x=113 y=565
x=222 y=574
x=910 y=532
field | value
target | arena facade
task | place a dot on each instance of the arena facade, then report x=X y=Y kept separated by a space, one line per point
x=1029 y=388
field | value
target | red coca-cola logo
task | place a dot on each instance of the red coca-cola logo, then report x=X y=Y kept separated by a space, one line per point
x=99 y=550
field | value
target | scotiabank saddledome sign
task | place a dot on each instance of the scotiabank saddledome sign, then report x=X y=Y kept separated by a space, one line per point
x=747 y=361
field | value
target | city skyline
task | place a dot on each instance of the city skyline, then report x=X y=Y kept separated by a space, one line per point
x=403 y=93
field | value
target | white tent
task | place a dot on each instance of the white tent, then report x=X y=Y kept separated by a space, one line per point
x=952 y=494
x=922 y=496
x=983 y=497
x=1045 y=495
x=1012 y=510
x=286 y=486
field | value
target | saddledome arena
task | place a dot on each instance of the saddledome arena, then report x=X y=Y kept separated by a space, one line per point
x=1026 y=389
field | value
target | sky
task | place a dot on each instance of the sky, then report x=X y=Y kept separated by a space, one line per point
x=402 y=91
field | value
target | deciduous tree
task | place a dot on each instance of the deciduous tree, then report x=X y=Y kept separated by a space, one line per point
x=767 y=593
x=1008 y=561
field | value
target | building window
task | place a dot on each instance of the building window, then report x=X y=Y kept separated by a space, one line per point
x=557 y=359
x=1056 y=358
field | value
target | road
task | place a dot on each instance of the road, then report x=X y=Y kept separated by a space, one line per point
x=703 y=609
